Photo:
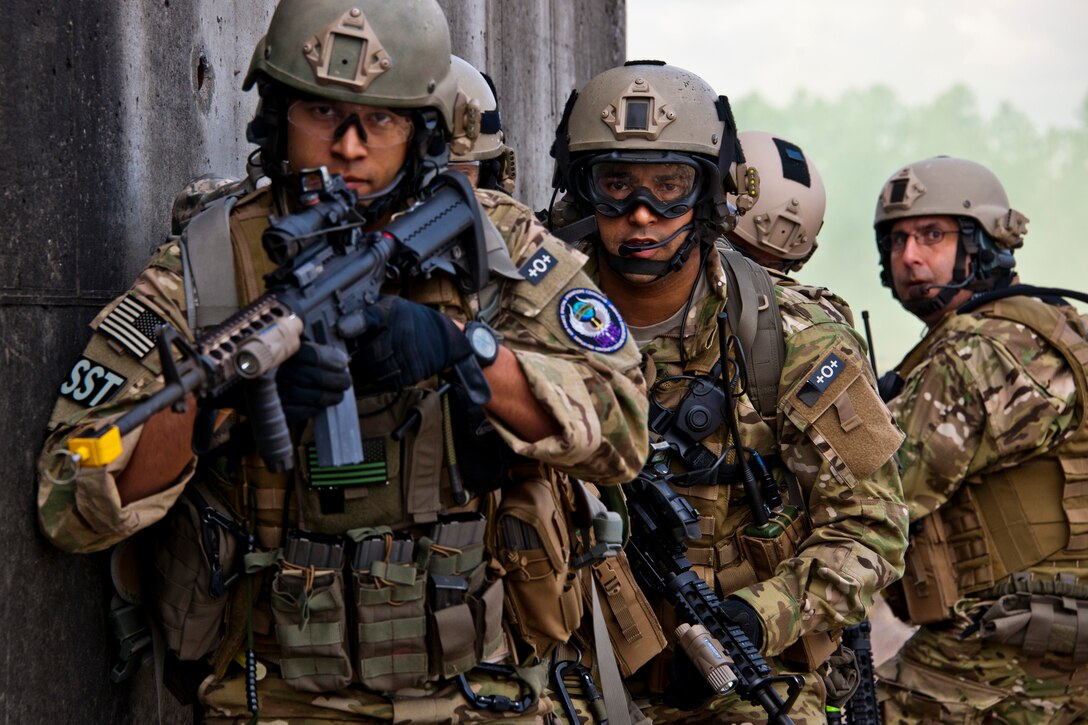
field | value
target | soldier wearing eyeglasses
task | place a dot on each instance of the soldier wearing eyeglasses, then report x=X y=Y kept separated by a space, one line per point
x=994 y=465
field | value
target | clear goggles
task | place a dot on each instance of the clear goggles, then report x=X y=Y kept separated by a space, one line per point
x=668 y=184
x=329 y=120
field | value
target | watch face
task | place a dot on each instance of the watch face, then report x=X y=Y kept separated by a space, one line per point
x=484 y=343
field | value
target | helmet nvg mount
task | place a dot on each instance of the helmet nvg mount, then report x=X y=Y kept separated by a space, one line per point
x=647 y=112
x=789 y=213
x=368 y=52
x=989 y=228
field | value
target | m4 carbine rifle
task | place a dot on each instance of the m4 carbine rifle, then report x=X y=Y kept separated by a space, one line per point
x=329 y=271
x=661 y=524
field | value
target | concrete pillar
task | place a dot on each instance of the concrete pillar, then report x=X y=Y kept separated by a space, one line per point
x=110 y=107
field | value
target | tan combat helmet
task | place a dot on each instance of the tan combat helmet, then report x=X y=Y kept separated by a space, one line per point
x=955 y=187
x=944 y=186
x=648 y=106
x=785 y=220
x=371 y=52
x=478 y=137
x=367 y=52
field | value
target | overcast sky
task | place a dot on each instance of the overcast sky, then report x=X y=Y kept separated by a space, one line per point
x=1032 y=54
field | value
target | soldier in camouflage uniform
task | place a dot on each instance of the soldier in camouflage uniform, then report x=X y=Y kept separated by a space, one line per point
x=994 y=462
x=648 y=150
x=461 y=581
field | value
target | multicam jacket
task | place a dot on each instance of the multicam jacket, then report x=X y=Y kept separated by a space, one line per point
x=988 y=402
x=839 y=446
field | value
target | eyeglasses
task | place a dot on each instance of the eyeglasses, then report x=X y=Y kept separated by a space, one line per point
x=329 y=120
x=896 y=242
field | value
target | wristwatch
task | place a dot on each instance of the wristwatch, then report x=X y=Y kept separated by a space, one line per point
x=484 y=342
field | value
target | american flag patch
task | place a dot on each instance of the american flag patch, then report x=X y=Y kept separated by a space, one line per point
x=133 y=326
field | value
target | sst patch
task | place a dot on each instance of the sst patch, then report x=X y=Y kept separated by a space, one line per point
x=592 y=321
x=819 y=381
x=90 y=383
x=133 y=326
x=538 y=266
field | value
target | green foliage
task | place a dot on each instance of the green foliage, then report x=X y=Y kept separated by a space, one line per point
x=860 y=139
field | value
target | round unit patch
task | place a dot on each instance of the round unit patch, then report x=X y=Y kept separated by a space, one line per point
x=592 y=321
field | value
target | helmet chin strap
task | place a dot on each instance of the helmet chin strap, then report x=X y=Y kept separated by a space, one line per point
x=624 y=264
x=924 y=307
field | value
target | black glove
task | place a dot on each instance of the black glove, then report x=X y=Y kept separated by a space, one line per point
x=311 y=380
x=743 y=616
x=404 y=343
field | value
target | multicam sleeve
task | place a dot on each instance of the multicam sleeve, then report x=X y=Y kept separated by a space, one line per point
x=573 y=346
x=79 y=508
x=838 y=439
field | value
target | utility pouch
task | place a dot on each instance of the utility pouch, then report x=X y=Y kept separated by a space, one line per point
x=400 y=478
x=310 y=616
x=530 y=541
x=1039 y=623
x=392 y=625
x=197 y=559
x=632 y=625
x=465 y=608
x=778 y=540
x=929 y=587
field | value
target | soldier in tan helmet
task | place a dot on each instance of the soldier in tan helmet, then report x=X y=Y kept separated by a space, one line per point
x=478 y=148
x=780 y=229
x=994 y=462
x=647 y=153
x=431 y=582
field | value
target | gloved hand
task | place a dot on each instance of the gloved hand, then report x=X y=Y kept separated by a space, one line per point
x=311 y=380
x=743 y=616
x=403 y=343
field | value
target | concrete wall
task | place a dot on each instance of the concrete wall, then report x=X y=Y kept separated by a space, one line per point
x=109 y=108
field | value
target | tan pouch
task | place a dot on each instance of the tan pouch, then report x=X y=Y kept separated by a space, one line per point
x=764 y=554
x=400 y=479
x=928 y=584
x=311 y=628
x=190 y=606
x=530 y=542
x=632 y=626
x=391 y=630
x=1039 y=623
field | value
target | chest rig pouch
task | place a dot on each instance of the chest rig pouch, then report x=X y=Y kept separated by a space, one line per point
x=400 y=479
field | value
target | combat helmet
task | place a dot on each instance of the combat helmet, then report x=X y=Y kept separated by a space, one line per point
x=366 y=52
x=785 y=220
x=477 y=135
x=989 y=229
x=650 y=112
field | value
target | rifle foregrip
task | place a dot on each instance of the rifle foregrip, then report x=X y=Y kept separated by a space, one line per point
x=270 y=432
